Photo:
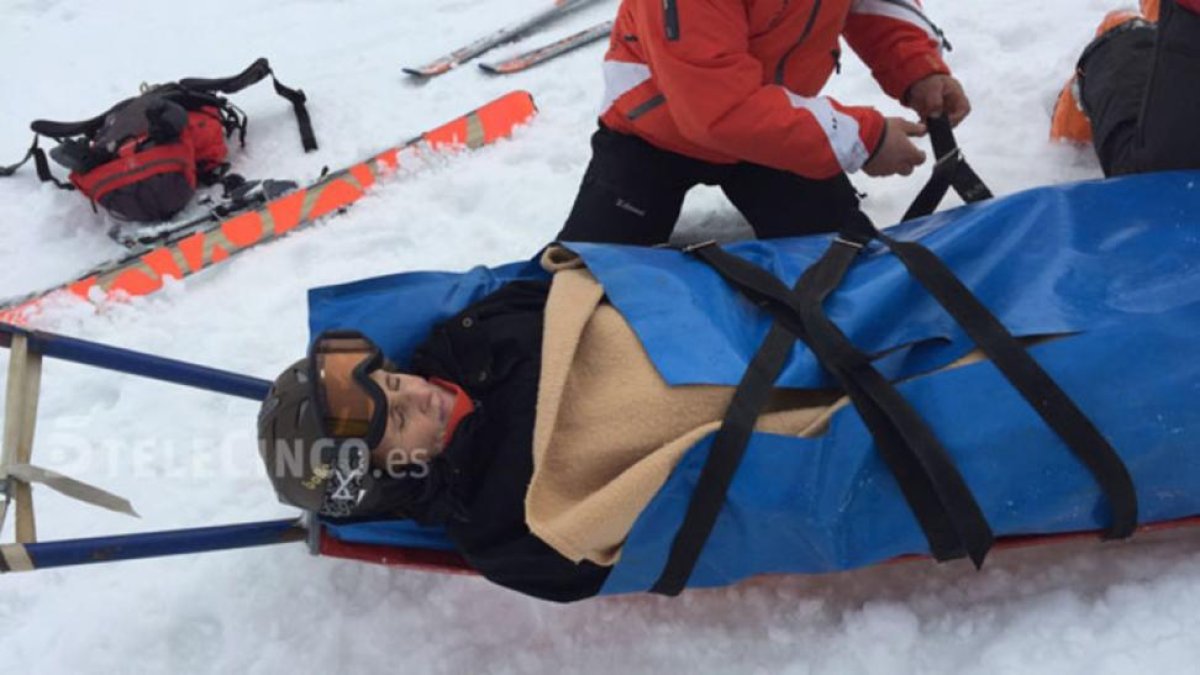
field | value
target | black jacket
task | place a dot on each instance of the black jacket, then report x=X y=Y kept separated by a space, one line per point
x=476 y=487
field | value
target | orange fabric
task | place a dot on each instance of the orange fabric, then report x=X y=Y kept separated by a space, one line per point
x=741 y=78
x=1115 y=18
x=1150 y=10
x=1068 y=121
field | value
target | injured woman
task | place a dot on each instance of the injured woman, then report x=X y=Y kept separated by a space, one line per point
x=609 y=419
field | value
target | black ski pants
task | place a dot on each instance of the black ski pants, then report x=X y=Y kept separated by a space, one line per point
x=632 y=193
x=1140 y=87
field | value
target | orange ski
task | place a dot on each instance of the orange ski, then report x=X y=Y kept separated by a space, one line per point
x=144 y=271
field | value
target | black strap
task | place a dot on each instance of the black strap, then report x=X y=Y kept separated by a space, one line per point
x=1023 y=372
x=12 y=168
x=252 y=75
x=1027 y=376
x=950 y=170
x=296 y=98
x=234 y=119
x=952 y=521
x=40 y=163
x=947 y=512
x=61 y=130
x=728 y=448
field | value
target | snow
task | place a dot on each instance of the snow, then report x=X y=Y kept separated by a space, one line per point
x=187 y=458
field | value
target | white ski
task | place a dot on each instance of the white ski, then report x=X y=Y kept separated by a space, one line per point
x=546 y=52
x=508 y=34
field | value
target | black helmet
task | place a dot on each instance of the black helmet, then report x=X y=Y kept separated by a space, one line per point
x=307 y=468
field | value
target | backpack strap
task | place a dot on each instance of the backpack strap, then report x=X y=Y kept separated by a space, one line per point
x=59 y=131
x=39 y=161
x=253 y=75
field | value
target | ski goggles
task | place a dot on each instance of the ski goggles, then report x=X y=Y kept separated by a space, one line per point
x=350 y=405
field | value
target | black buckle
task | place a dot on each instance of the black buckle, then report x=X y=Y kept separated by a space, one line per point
x=692 y=248
x=955 y=155
x=857 y=245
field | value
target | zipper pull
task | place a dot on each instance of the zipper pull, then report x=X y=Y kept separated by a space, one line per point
x=837 y=60
x=942 y=36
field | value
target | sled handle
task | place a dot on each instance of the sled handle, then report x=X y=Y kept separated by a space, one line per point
x=20 y=418
x=29 y=557
x=135 y=363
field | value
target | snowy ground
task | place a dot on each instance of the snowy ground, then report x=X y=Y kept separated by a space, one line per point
x=188 y=459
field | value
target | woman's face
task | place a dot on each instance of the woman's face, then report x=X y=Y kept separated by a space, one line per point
x=417 y=414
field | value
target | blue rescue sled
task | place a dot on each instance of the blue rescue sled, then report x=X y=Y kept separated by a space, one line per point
x=1112 y=268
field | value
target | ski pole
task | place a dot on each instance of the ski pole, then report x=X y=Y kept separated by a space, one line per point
x=28 y=557
x=137 y=363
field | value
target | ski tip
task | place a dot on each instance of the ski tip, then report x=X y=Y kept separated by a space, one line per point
x=523 y=96
x=17 y=315
x=425 y=72
x=529 y=97
x=491 y=69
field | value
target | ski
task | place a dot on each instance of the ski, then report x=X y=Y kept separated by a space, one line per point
x=144 y=270
x=487 y=42
x=543 y=54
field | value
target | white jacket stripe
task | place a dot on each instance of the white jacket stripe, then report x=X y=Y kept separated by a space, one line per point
x=908 y=11
x=840 y=129
x=620 y=78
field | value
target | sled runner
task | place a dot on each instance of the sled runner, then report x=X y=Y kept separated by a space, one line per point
x=1085 y=427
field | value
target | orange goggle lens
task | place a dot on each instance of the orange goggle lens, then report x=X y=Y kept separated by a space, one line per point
x=347 y=409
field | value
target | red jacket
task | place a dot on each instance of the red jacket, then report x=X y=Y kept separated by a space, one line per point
x=738 y=80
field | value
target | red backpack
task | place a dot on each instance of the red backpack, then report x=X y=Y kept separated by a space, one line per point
x=142 y=159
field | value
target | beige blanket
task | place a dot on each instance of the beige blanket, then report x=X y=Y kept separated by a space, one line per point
x=609 y=430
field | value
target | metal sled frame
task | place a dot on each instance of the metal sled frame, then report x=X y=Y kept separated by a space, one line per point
x=27 y=349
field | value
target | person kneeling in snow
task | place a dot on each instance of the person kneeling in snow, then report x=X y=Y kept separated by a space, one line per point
x=1136 y=92
x=728 y=93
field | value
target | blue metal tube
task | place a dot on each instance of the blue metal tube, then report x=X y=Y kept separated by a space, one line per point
x=152 y=544
x=158 y=544
x=138 y=363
